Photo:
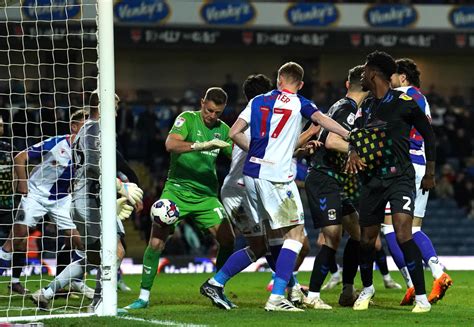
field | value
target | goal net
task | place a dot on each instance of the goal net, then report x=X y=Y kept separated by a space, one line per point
x=49 y=57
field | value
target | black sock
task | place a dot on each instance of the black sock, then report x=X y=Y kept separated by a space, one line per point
x=414 y=263
x=333 y=267
x=63 y=259
x=350 y=261
x=323 y=261
x=381 y=260
x=98 y=287
x=367 y=255
x=18 y=261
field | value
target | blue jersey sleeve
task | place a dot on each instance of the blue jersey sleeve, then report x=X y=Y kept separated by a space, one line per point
x=418 y=97
x=308 y=108
x=40 y=149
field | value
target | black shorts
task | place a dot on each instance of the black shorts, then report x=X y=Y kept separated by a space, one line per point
x=375 y=193
x=326 y=200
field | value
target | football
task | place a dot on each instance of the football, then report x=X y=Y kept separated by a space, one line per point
x=164 y=212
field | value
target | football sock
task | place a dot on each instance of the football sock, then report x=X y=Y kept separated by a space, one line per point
x=334 y=269
x=236 y=263
x=323 y=261
x=381 y=261
x=151 y=259
x=223 y=254
x=4 y=255
x=270 y=260
x=63 y=259
x=427 y=251
x=350 y=261
x=367 y=255
x=406 y=275
x=285 y=265
x=394 y=247
x=19 y=261
x=414 y=264
x=73 y=270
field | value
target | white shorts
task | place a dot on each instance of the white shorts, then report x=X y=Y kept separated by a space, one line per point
x=32 y=209
x=235 y=204
x=279 y=203
x=421 y=200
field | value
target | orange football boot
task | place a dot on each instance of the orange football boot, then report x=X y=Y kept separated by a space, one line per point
x=409 y=297
x=440 y=286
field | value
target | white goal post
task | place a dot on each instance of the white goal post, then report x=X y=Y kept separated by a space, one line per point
x=53 y=54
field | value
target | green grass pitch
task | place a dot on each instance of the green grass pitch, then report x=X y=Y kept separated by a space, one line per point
x=176 y=301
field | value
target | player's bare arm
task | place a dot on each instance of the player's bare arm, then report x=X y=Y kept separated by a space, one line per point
x=20 y=171
x=237 y=135
x=329 y=124
x=175 y=143
x=308 y=134
x=354 y=162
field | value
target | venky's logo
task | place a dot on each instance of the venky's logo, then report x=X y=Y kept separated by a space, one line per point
x=391 y=15
x=228 y=12
x=462 y=17
x=312 y=14
x=142 y=11
x=51 y=10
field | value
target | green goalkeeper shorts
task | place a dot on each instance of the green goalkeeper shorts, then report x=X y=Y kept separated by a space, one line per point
x=206 y=211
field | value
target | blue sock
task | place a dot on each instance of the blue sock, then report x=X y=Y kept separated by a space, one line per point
x=271 y=259
x=236 y=263
x=395 y=250
x=285 y=265
x=425 y=245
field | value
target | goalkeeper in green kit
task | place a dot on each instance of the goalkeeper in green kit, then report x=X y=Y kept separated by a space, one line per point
x=194 y=141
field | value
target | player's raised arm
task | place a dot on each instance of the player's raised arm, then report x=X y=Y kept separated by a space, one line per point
x=237 y=134
x=329 y=124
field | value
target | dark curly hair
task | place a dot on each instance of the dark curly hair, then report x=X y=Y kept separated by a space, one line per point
x=255 y=85
x=383 y=62
x=410 y=69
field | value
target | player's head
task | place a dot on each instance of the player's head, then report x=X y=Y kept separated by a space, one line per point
x=255 y=85
x=94 y=108
x=353 y=83
x=407 y=73
x=77 y=120
x=379 y=68
x=290 y=76
x=212 y=105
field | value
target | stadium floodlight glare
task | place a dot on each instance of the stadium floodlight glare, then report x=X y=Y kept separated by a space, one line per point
x=52 y=56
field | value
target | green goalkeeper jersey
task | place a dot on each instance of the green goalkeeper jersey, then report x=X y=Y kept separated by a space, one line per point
x=195 y=171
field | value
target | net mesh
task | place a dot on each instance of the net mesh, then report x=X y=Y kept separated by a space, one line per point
x=48 y=68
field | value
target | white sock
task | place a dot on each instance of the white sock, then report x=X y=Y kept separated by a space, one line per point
x=48 y=293
x=387 y=277
x=406 y=276
x=336 y=274
x=314 y=295
x=276 y=297
x=370 y=289
x=422 y=298
x=214 y=282
x=435 y=267
x=15 y=280
x=144 y=295
x=4 y=255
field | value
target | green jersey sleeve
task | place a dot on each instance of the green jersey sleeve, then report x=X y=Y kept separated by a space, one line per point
x=181 y=125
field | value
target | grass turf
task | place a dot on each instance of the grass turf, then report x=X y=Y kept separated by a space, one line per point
x=176 y=301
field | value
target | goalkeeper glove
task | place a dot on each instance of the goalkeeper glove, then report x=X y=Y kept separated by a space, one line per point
x=130 y=191
x=210 y=145
x=124 y=210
